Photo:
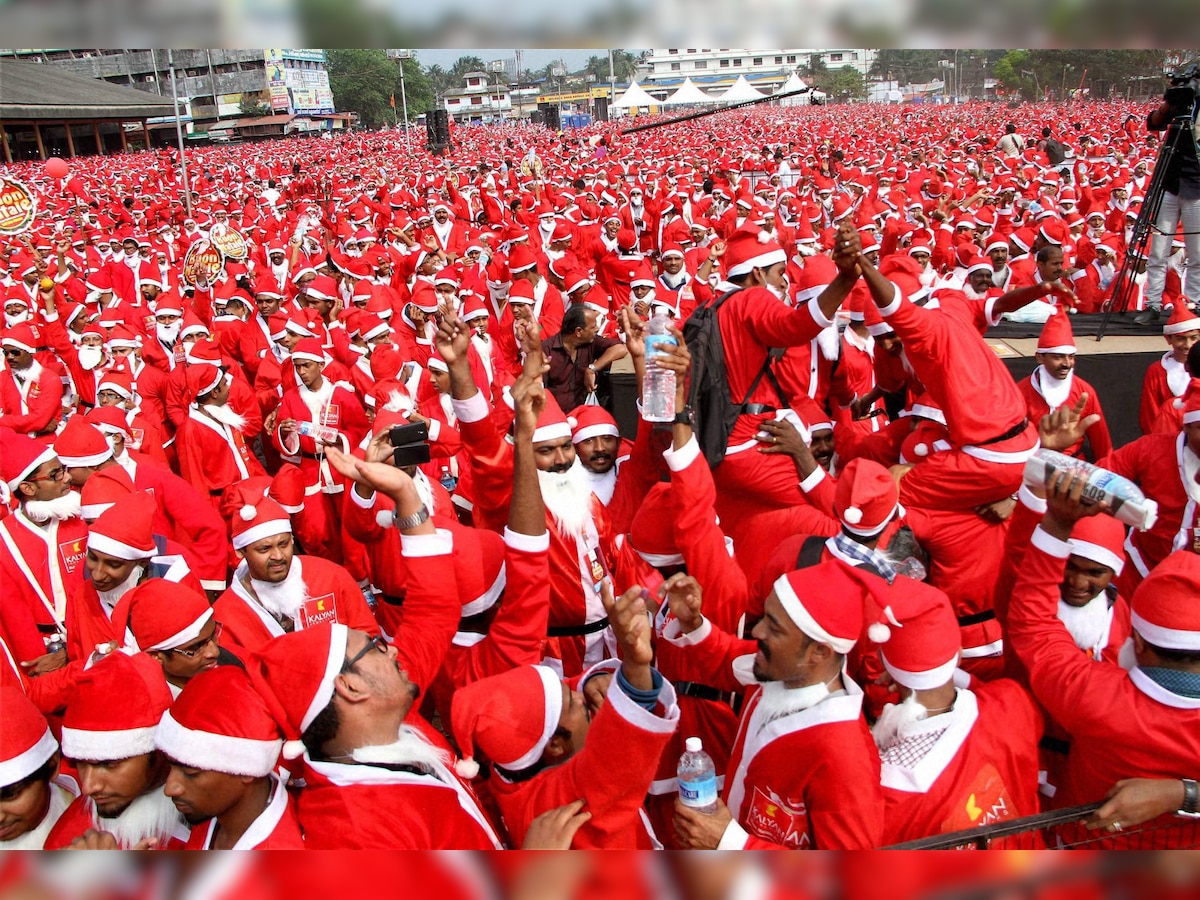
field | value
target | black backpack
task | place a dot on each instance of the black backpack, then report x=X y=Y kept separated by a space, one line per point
x=708 y=394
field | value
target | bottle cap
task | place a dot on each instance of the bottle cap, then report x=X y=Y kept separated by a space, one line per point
x=693 y=745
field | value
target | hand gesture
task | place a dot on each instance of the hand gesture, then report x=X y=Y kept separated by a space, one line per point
x=684 y=598
x=1064 y=427
x=529 y=336
x=847 y=248
x=627 y=616
x=388 y=480
x=862 y=407
x=716 y=250
x=286 y=427
x=430 y=243
x=47 y=662
x=380 y=448
x=453 y=337
x=1062 y=291
x=635 y=331
x=555 y=828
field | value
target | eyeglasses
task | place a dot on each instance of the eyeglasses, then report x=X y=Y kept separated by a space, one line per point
x=58 y=473
x=12 y=352
x=377 y=642
x=200 y=645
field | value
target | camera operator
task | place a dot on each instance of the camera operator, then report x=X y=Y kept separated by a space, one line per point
x=1181 y=196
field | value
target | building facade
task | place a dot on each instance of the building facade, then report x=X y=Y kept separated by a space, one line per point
x=762 y=68
x=478 y=99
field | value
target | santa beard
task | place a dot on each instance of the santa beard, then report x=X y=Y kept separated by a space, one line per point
x=282 y=598
x=10 y=321
x=568 y=497
x=150 y=815
x=225 y=416
x=1087 y=624
x=60 y=509
x=110 y=598
x=897 y=720
x=90 y=357
x=410 y=748
x=168 y=333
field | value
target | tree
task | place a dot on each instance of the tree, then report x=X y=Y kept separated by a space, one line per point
x=846 y=83
x=1013 y=72
x=253 y=105
x=908 y=66
x=365 y=81
x=465 y=64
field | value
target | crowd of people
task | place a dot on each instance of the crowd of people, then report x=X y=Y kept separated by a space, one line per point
x=319 y=530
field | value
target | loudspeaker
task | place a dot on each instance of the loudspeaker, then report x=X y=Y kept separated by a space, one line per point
x=600 y=104
x=437 y=127
x=535 y=117
x=550 y=116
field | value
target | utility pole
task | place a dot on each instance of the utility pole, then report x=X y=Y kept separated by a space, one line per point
x=187 y=190
x=400 y=56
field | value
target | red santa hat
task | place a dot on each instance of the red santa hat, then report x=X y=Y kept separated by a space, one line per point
x=1189 y=402
x=161 y=615
x=102 y=490
x=221 y=724
x=921 y=652
x=287 y=489
x=473 y=308
x=652 y=530
x=672 y=250
x=122 y=336
x=309 y=350
x=109 y=420
x=26 y=743
x=96 y=728
x=323 y=287
x=1164 y=608
x=552 y=424
x=824 y=602
x=168 y=304
x=977 y=263
x=20 y=456
x=1057 y=336
x=818 y=273
x=867 y=497
x=266 y=286
x=750 y=249
x=1182 y=320
x=294 y=674
x=148 y=273
x=521 y=258
x=521 y=292
x=21 y=337
x=203 y=379
x=371 y=326
x=125 y=529
x=117 y=380
x=479 y=569
x=510 y=718
x=1100 y=539
x=424 y=297
x=81 y=444
x=592 y=421
x=192 y=325
x=259 y=517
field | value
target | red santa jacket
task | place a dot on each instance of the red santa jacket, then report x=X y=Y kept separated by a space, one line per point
x=43 y=567
x=81 y=816
x=276 y=827
x=1032 y=389
x=212 y=455
x=1164 y=381
x=339 y=409
x=32 y=403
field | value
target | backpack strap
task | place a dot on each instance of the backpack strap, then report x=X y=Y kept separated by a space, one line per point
x=810 y=552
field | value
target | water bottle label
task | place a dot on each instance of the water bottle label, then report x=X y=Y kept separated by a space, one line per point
x=699 y=793
x=658 y=344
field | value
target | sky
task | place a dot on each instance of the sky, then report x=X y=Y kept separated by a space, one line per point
x=532 y=59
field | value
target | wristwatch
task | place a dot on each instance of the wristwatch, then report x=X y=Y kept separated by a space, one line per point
x=1191 y=799
x=687 y=417
x=418 y=518
x=592 y=367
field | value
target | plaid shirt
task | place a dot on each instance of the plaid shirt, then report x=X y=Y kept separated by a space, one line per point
x=864 y=554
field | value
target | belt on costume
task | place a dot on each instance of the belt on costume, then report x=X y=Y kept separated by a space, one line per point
x=392 y=599
x=976 y=618
x=577 y=630
x=1055 y=745
x=47 y=628
x=1011 y=433
x=755 y=409
x=697 y=690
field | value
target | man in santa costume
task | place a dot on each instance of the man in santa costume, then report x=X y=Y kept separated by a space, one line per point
x=1153 y=726
x=42 y=548
x=33 y=795
x=599 y=448
x=112 y=745
x=222 y=746
x=1054 y=384
x=952 y=758
x=1168 y=378
x=274 y=590
x=30 y=393
x=804 y=772
x=546 y=749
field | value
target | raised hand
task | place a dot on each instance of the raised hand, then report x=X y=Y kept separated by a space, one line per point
x=847 y=248
x=634 y=330
x=627 y=616
x=1064 y=427
x=684 y=598
x=453 y=337
x=529 y=399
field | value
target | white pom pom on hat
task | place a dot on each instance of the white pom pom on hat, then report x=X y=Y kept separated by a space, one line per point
x=1177 y=403
x=293 y=749
x=385 y=518
x=921 y=449
x=466 y=768
x=248 y=513
x=764 y=237
x=853 y=515
x=879 y=633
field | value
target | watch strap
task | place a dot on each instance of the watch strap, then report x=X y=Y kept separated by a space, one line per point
x=418 y=518
x=1191 y=799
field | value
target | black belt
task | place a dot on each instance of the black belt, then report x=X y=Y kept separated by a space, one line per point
x=1055 y=745
x=1011 y=433
x=699 y=691
x=577 y=630
x=391 y=599
x=43 y=628
x=756 y=409
x=975 y=618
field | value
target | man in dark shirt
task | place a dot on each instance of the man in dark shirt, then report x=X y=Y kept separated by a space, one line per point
x=577 y=356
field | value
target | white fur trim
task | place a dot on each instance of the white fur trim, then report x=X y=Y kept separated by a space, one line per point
x=91 y=512
x=921 y=449
x=1190 y=417
x=28 y=761
x=467 y=769
x=106 y=745
x=413 y=546
x=216 y=752
x=555 y=432
x=292 y=749
x=592 y=431
x=658 y=560
x=1061 y=348
x=43 y=457
x=762 y=261
x=94 y=460
x=1192 y=324
x=526 y=543
x=308 y=357
x=804 y=621
x=551 y=710
x=879 y=633
x=102 y=543
x=385 y=518
x=488 y=598
x=266 y=529
x=338 y=639
x=921 y=681
x=1163 y=636
x=1097 y=554
x=184 y=635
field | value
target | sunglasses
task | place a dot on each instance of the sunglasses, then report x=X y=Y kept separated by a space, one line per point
x=199 y=645
x=377 y=642
x=12 y=352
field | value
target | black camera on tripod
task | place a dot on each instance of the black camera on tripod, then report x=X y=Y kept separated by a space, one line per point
x=1185 y=85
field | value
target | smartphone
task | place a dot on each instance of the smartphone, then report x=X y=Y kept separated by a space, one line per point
x=413 y=433
x=410 y=455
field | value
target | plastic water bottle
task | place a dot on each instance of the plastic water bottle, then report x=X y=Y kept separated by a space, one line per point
x=658 y=385
x=1124 y=498
x=697 y=778
x=322 y=434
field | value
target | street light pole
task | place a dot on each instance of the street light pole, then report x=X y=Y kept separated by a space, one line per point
x=187 y=191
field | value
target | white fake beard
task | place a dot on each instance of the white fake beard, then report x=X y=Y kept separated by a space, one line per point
x=90 y=357
x=59 y=509
x=568 y=497
x=226 y=416
x=286 y=597
x=410 y=748
x=1086 y=623
x=150 y=815
x=780 y=292
x=928 y=276
x=779 y=700
x=674 y=281
x=110 y=598
x=896 y=721
x=970 y=293
x=10 y=321
x=167 y=333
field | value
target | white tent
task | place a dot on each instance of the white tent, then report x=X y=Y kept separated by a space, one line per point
x=740 y=92
x=688 y=95
x=794 y=83
x=635 y=96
